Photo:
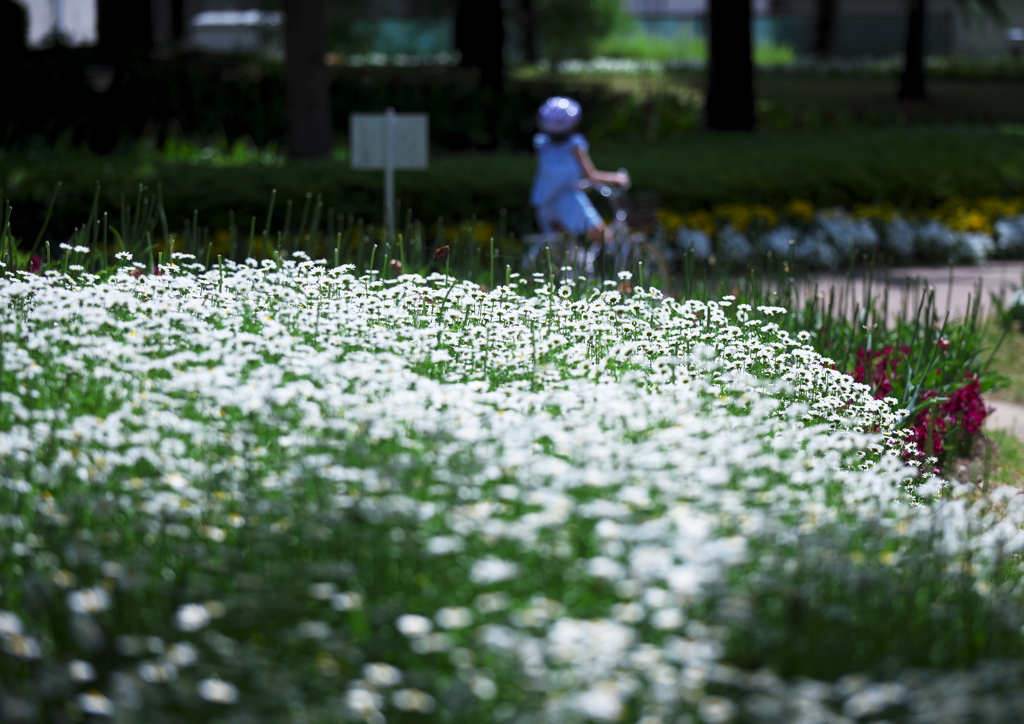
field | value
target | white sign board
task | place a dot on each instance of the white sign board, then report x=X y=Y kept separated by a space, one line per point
x=368 y=140
x=388 y=141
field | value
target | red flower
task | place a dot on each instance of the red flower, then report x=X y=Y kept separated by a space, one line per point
x=441 y=253
x=35 y=264
x=139 y=272
x=945 y=427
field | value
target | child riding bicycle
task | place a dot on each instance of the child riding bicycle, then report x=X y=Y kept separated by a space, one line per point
x=563 y=161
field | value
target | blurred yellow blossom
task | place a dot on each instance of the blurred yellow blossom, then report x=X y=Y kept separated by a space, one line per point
x=882 y=212
x=800 y=209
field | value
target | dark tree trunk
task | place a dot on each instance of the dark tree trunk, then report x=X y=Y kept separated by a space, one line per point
x=125 y=29
x=178 y=20
x=912 y=80
x=13 y=28
x=307 y=83
x=480 y=39
x=529 y=30
x=826 y=25
x=730 y=98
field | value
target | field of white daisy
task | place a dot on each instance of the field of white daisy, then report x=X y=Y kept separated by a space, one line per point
x=280 y=491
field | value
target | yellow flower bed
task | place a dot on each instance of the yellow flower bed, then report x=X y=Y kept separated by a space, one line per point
x=958 y=213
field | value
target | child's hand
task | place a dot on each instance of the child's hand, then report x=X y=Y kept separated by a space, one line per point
x=623 y=179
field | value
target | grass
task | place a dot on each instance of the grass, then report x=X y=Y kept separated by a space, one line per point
x=1007 y=361
x=1008 y=467
x=998 y=462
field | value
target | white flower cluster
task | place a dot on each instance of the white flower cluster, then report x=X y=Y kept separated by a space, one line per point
x=639 y=446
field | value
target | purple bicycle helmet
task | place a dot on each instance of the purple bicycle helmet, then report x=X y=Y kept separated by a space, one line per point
x=558 y=115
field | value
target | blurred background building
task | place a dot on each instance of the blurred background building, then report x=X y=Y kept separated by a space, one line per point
x=864 y=28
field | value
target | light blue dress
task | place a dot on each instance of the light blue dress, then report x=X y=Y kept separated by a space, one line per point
x=558 y=201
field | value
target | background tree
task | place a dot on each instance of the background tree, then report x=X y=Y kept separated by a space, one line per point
x=826 y=27
x=730 y=88
x=528 y=30
x=912 y=80
x=912 y=77
x=125 y=30
x=13 y=28
x=307 y=84
x=480 y=39
x=572 y=28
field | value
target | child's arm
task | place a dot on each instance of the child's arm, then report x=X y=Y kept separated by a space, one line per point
x=593 y=175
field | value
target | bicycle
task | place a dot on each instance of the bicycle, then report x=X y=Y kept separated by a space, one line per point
x=624 y=247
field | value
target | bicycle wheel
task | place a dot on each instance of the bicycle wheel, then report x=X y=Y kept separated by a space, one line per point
x=656 y=269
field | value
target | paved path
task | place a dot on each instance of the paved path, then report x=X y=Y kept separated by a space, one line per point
x=955 y=290
x=955 y=287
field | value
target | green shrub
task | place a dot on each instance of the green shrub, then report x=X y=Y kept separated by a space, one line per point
x=910 y=168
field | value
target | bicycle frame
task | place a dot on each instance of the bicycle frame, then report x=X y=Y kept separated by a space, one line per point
x=621 y=248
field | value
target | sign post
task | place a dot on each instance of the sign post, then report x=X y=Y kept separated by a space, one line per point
x=388 y=141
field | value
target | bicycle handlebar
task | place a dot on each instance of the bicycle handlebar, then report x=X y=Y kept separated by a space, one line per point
x=606 y=190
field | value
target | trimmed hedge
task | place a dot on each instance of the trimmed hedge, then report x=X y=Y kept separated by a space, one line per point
x=911 y=168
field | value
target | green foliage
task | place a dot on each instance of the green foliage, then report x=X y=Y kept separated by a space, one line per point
x=910 y=168
x=640 y=45
x=992 y=9
x=684 y=46
x=835 y=603
x=574 y=29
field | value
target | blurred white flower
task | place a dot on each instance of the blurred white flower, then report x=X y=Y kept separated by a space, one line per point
x=22 y=647
x=317 y=630
x=873 y=699
x=604 y=567
x=155 y=672
x=10 y=624
x=413 y=625
x=381 y=674
x=440 y=545
x=453 y=617
x=89 y=600
x=322 y=591
x=716 y=710
x=192 y=617
x=413 y=700
x=217 y=691
x=182 y=654
x=483 y=687
x=491 y=602
x=95 y=703
x=493 y=570
x=602 y=703
x=81 y=671
x=346 y=601
x=364 y=704
x=667 y=619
